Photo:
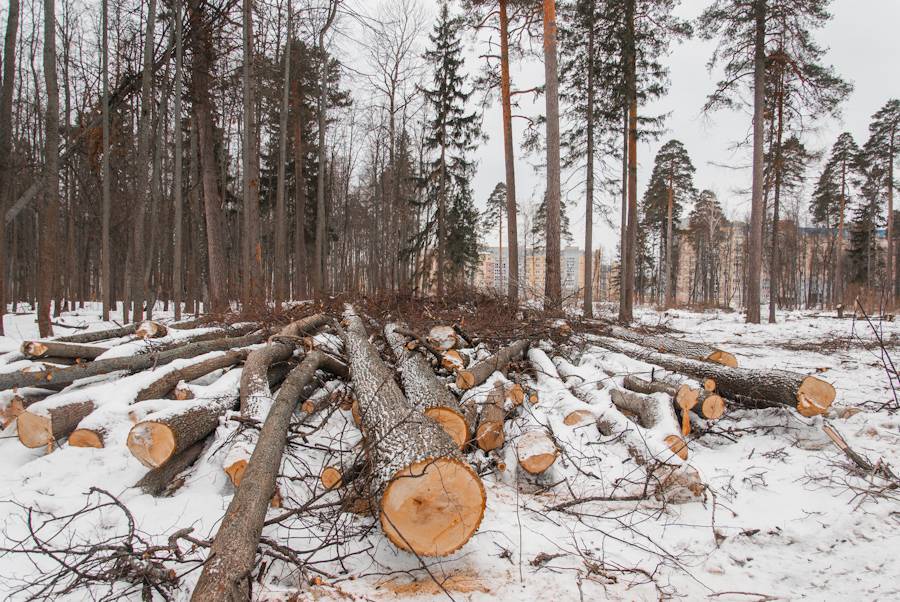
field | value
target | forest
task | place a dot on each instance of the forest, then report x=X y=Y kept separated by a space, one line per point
x=273 y=329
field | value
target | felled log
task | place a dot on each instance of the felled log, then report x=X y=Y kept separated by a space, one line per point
x=654 y=413
x=444 y=338
x=256 y=396
x=94 y=430
x=424 y=390
x=167 y=382
x=98 y=335
x=489 y=435
x=134 y=363
x=673 y=346
x=420 y=341
x=707 y=405
x=430 y=500
x=810 y=396
x=477 y=374
x=163 y=435
x=233 y=554
x=157 y=481
x=40 y=429
x=151 y=329
x=18 y=404
x=536 y=451
x=453 y=360
x=55 y=349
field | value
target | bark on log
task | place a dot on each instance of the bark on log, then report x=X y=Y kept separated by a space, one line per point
x=98 y=335
x=489 y=435
x=233 y=553
x=150 y=329
x=18 y=404
x=705 y=404
x=163 y=435
x=135 y=363
x=655 y=413
x=157 y=481
x=424 y=390
x=430 y=500
x=256 y=396
x=810 y=396
x=45 y=428
x=54 y=349
x=477 y=374
x=167 y=383
x=673 y=346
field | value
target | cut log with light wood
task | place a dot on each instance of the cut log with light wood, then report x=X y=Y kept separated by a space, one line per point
x=256 y=396
x=444 y=338
x=489 y=435
x=95 y=429
x=167 y=382
x=55 y=349
x=430 y=500
x=232 y=557
x=654 y=412
x=536 y=451
x=424 y=390
x=453 y=361
x=66 y=376
x=809 y=395
x=18 y=404
x=477 y=374
x=158 y=480
x=163 y=435
x=151 y=329
x=707 y=405
x=673 y=346
x=39 y=428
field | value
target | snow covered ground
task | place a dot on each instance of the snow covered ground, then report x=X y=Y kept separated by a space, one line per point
x=783 y=518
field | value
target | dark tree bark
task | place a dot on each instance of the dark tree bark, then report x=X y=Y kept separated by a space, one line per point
x=631 y=98
x=480 y=372
x=178 y=211
x=49 y=208
x=757 y=208
x=252 y=278
x=509 y=159
x=281 y=224
x=6 y=98
x=553 y=271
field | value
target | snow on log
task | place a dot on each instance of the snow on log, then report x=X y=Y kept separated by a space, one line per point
x=424 y=390
x=673 y=346
x=555 y=394
x=55 y=349
x=17 y=404
x=163 y=435
x=444 y=338
x=233 y=553
x=811 y=396
x=96 y=428
x=157 y=481
x=477 y=374
x=256 y=395
x=37 y=429
x=656 y=414
x=151 y=329
x=167 y=382
x=66 y=376
x=535 y=451
x=489 y=435
x=98 y=335
x=429 y=498
x=453 y=360
x=707 y=405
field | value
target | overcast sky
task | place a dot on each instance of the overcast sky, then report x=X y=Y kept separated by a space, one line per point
x=864 y=47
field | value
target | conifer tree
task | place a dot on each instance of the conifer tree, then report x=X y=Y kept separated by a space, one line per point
x=706 y=227
x=450 y=135
x=863 y=258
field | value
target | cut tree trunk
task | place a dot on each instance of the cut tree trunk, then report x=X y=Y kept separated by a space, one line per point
x=151 y=329
x=425 y=391
x=167 y=383
x=430 y=500
x=37 y=429
x=98 y=335
x=157 y=481
x=655 y=413
x=18 y=404
x=664 y=344
x=707 y=405
x=233 y=554
x=810 y=396
x=53 y=349
x=477 y=374
x=66 y=376
x=256 y=396
x=489 y=435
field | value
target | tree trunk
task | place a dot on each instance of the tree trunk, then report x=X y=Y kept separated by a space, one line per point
x=553 y=272
x=178 y=211
x=665 y=344
x=318 y=284
x=300 y=261
x=512 y=235
x=654 y=414
x=157 y=481
x=98 y=335
x=588 y=310
x=631 y=99
x=670 y=231
x=167 y=383
x=430 y=500
x=424 y=391
x=48 y=213
x=754 y=268
x=808 y=394
x=281 y=225
x=480 y=372
x=233 y=554
x=705 y=403
x=623 y=238
x=252 y=285
x=55 y=349
x=6 y=173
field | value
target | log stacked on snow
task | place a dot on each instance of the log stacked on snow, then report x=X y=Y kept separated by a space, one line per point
x=98 y=335
x=18 y=404
x=656 y=413
x=665 y=344
x=477 y=374
x=232 y=556
x=151 y=329
x=167 y=382
x=705 y=404
x=810 y=396
x=157 y=481
x=423 y=388
x=55 y=349
x=429 y=499
x=135 y=363
x=256 y=396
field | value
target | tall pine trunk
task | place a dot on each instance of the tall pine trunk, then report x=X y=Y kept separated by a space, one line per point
x=631 y=94
x=757 y=209
x=552 y=273
x=670 y=271
x=588 y=309
x=49 y=208
x=512 y=234
x=623 y=241
x=779 y=167
x=6 y=96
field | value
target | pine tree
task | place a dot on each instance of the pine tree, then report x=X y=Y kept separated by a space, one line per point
x=671 y=186
x=863 y=257
x=450 y=135
x=707 y=233
x=834 y=193
x=539 y=224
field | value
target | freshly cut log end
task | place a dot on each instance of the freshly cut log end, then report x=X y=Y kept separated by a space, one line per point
x=723 y=357
x=33 y=349
x=433 y=506
x=686 y=397
x=330 y=477
x=515 y=394
x=354 y=411
x=151 y=330
x=87 y=438
x=713 y=407
x=235 y=471
x=34 y=430
x=183 y=393
x=489 y=435
x=453 y=360
x=465 y=380
x=37 y=430
x=814 y=397
x=578 y=417
x=709 y=384
x=678 y=446
x=536 y=452
x=451 y=421
x=443 y=338
x=152 y=443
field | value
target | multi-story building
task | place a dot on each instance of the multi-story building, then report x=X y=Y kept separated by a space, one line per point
x=493 y=274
